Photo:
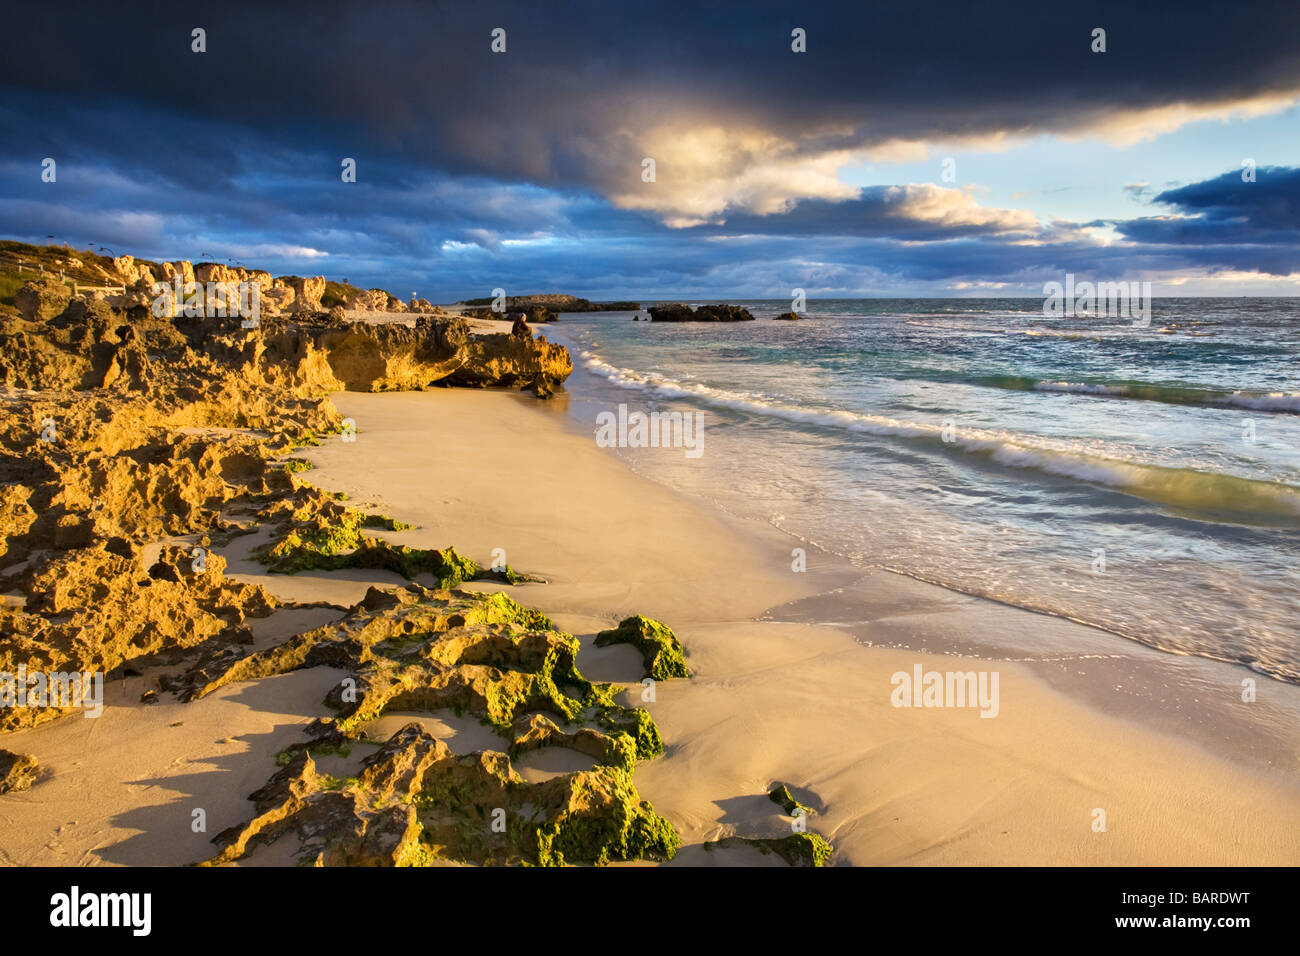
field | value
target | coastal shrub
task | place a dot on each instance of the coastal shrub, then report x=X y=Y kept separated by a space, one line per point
x=10 y=283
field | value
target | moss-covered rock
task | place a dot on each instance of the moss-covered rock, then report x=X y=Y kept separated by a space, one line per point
x=415 y=802
x=318 y=533
x=601 y=820
x=636 y=724
x=797 y=849
x=385 y=522
x=322 y=534
x=484 y=655
x=500 y=608
x=660 y=650
x=611 y=750
x=783 y=798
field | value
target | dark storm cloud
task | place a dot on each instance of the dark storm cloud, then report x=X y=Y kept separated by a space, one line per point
x=416 y=82
x=1229 y=222
x=476 y=169
x=917 y=213
x=1232 y=209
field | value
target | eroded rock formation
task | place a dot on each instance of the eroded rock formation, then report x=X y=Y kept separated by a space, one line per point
x=414 y=800
x=121 y=431
x=17 y=771
x=131 y=443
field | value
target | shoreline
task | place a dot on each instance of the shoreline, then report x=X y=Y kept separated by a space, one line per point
x=1161 y=687
x=664 y=563
x=1194 y=567
x=776 y=693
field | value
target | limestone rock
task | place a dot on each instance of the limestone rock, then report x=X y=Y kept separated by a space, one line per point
x=368 y=300
x=660 y=649
x=277 y=299
x=214 y=272
x=17 y=771
x=91 y=609
x=42 y=298
x=307 y=293
x=506 y=360
x=415 y=801
x=373 y=358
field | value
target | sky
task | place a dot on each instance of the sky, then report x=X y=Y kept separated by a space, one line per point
x=640 y=151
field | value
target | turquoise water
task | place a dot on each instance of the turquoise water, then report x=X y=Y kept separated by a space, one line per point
x=983 y=446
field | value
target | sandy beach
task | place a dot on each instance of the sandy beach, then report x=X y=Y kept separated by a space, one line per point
x=771 y=698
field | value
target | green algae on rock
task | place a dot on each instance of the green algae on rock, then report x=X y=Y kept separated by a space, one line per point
x=128 y=429
x=386 y=523
x=322 y=534
x=478 y=654
x=611 y=750
x=416 y=803
x=660 y=650
x=797 y=849
x=601 y=820
x=783 y=798
x=637 y=724
x=328 y=552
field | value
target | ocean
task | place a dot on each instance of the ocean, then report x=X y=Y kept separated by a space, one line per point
x=1145 y=480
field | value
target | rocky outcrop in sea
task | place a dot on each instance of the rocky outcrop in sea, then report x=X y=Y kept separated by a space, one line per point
x=678 y=312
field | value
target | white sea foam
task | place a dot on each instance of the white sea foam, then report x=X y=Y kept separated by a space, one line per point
x=1081 y=388
x=1273 y=402
x=1182 y=487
